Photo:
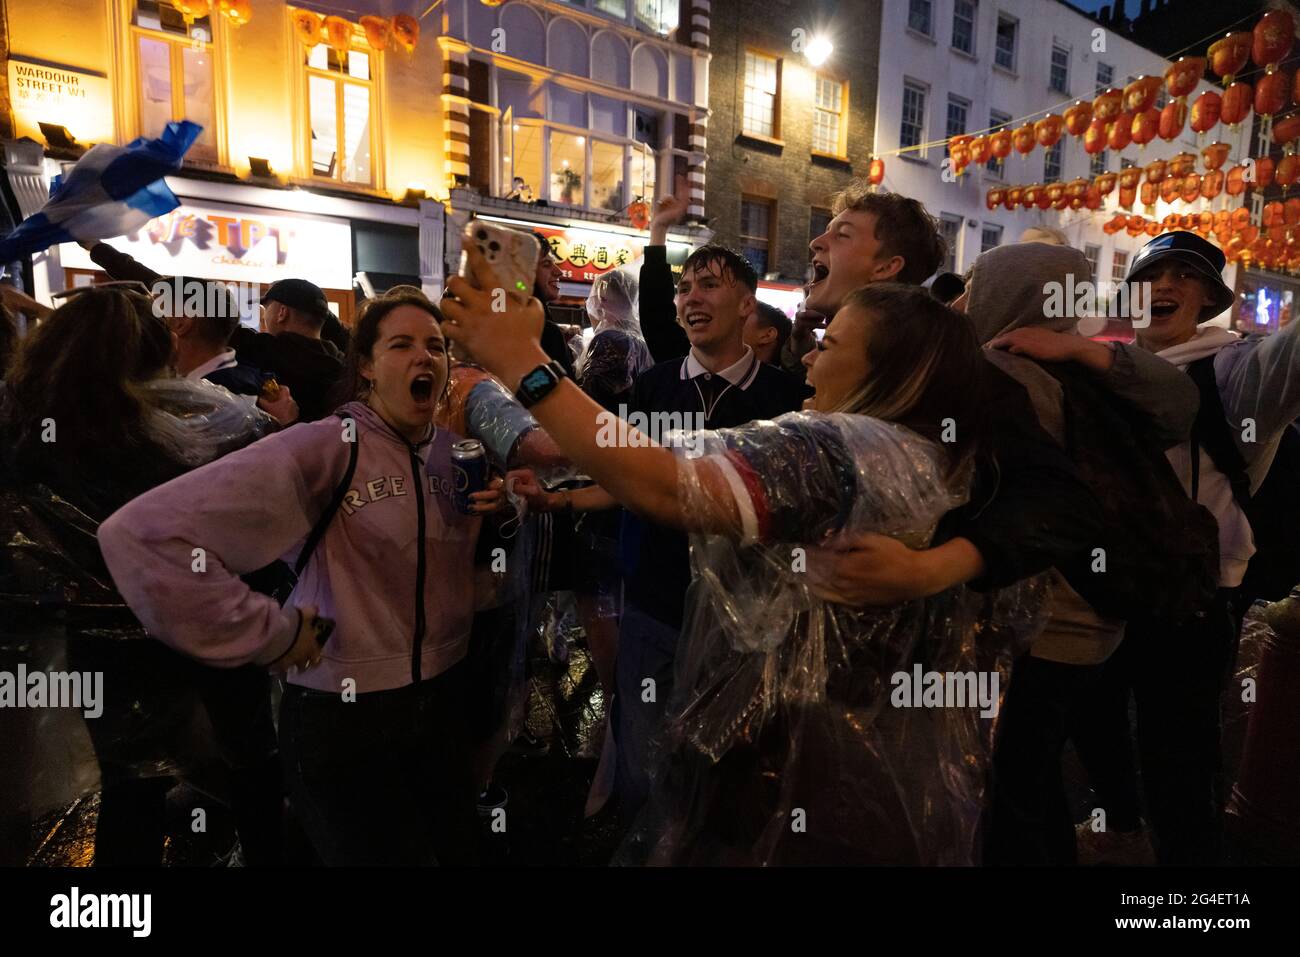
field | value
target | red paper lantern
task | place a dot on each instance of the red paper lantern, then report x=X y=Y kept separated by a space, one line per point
x=1140 y=95
x=876 y=172
x=1172 y=119
x=1265 y=169
x=1236 y=182
x=1228 y=56
x=191 y=10
x=993 y=198
x=1240 y=219
x=1121 y=132
x=339 y=34
x=1148 y=194
x=1094 y=138
x=1286 y=129
x=1287 y=170
x=1182 y=164
x=1272 y=39
x=1291 y=212
x=1092 y=198
x=1107 y=105
x=238 y=12
x=1145 y=126
x=1023 y=139
x=1047 y=131
x=1181 y=77
x=1212 y=184
x=1126 y=197
x=1106 y=183
x=1155 y=171
x=638 y=214
x=1043 y=200
x=1129 y=178
x=310 y=27
x=379 y=30
x=1191 y=188
x=406 y=30
x=1077 y=118
x=1206 y=111
x=1169 y=188
x=980 y=150
x=1215 y=155
x=1136 y=226
x=1015 y=196
x=1271 y=93
x=1001 y=141
x=1237 y=101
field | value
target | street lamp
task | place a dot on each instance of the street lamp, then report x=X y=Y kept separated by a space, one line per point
x=818 y=50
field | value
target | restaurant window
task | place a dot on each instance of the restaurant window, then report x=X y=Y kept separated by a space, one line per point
x=828 y=117
x=607 y=176
x=568 y=168
x=339 y=109
x=756 y=233
x=761 y=94
x=1005 y=53
x=174 y=66
x=641 y=174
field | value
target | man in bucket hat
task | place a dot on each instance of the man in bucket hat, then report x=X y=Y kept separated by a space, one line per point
x=1250 y=393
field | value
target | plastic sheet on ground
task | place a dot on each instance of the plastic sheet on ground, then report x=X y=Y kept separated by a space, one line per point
x=782 y=744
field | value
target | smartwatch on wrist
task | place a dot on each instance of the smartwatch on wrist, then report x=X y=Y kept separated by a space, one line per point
x=537 y=385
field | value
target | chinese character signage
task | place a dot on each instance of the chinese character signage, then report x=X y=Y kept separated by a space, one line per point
x=584 y=254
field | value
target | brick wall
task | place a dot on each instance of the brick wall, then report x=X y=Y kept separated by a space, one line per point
x=784 y=171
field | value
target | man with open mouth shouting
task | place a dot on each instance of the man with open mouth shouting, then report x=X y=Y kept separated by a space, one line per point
x=1250 y=394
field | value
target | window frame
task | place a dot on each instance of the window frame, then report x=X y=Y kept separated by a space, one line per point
x=129 y=95
x=1094 y=260
x=928 y=34
x=771 y=230
x=965 y=105
x=1064 y=90
x=304 y=73
x=775 y=135
x=1055 y=154
x=957 y=221
x=923 y=89
x=1110 y=69
x=984 y=230
x=1015 y=42
x=973 y=52
x=1118 y=258
x=842 y=137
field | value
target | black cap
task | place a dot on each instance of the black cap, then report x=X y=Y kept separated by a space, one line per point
x=298 y=294
x=947 y=286
x=1201 y=254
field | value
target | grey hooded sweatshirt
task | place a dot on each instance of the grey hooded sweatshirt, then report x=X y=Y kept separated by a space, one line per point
x=1009 y=289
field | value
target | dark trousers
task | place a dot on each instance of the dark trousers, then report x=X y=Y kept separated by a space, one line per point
x=1029 y=822
x=384 y=779
x=647 y=648
x=1176 y=675
x=139 y=741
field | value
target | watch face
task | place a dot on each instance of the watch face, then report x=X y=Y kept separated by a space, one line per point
x=537 y=379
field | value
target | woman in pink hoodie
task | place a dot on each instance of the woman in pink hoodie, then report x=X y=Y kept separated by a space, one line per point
x=371 y=721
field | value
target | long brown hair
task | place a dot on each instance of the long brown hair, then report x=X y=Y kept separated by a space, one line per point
x=365 y=333
x=80 y=369
x=924 y=367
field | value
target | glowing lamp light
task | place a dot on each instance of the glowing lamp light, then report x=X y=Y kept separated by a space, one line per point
x=819 y=50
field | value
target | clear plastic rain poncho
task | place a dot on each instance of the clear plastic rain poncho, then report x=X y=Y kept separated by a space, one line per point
x=617 y=353
x=784 y=744
x=59 y=611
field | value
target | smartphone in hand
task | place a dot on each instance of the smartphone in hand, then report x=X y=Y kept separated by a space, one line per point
x=512 y=253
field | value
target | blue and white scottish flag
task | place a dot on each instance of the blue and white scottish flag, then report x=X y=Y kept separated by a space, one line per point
x=110 y=191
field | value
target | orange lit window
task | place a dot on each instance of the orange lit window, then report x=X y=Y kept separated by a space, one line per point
x=340 y=112
x=174 y=69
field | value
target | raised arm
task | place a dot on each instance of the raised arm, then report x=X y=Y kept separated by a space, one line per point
x=1259 y=380
x=657 y=311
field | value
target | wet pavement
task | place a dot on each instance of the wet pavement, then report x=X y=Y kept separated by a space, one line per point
x=547 y=786
x=547 y=783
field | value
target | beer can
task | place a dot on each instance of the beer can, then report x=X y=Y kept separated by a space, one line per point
x=468 y=472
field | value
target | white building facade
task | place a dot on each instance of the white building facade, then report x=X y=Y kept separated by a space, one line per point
x=969 y=66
